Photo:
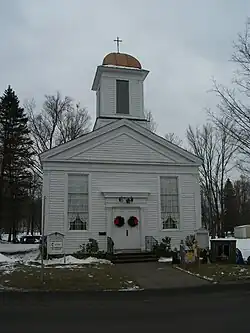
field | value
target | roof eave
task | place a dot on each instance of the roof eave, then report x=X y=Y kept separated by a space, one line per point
x=103 y=68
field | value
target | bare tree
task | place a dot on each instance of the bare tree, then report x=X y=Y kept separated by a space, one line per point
x=75 y=123
x=58 y=122
x=152 y=123
x=234 y=103
x=173 y=138
x=216 y=149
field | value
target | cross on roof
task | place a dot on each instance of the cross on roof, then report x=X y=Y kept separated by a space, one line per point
x=118 y=40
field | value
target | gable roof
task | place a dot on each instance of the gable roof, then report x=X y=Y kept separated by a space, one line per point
x=154 y=138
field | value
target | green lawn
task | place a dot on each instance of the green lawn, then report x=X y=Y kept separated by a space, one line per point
x=85 y=277
x=221 y=272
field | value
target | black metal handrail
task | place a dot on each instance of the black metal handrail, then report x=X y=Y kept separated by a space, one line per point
x=150 y=243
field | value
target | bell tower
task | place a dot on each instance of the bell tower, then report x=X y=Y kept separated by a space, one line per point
x=118 y=84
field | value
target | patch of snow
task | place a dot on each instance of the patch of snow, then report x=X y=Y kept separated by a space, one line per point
x=196 y=274
x=207 y=278
x=69 y=267
x=92 y=260
x=19 y=235
x=4 y=259
x=32 y=259
x=25 y=256
x=7 y=268
x=163 y=259
x=70 y=260
x=134 y=288
x=243 y=270
x=12 y=248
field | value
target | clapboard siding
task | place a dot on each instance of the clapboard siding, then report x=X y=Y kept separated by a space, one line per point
x=108 y=96
x=190 y=219
x=56 y=202
x=99 y=181
x=100 y=122
x=125 y=148
x=74 y=240
x=89 y=142
x=136 y=98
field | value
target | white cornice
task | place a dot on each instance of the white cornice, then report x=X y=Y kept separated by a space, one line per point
x=50 y=154
x=142 y=73
x=125 y=193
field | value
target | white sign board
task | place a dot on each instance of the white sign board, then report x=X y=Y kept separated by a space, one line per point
x=55 y=243
x=202 y=237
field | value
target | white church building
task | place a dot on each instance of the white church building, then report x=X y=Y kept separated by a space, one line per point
x=120 y=181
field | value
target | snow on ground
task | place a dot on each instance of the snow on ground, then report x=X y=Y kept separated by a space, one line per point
x=70 y=260
x=32 y=258
x=19 y=235
x=7 y=268
x=4 y=259
x=134 y=288
x=163 y=259
x=12 y=248
x=25 y=256
x=28 y=254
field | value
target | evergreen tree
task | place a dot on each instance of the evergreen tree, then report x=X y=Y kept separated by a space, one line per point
x=16 y=149
x=231 y=215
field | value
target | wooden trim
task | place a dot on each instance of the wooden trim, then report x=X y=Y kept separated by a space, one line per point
x=194 y=160
x=91 y=166
x=66 y=225
x=179 y=202
x=117 y=194
x=128 y=117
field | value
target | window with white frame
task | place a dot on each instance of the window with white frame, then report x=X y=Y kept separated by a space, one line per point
x=170 y=213
x=78 y=202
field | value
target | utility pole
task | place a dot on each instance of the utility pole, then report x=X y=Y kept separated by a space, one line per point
x=43 y=242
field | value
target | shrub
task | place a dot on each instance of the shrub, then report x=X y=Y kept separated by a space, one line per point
x=80 y=254
x=163 y=249
x=91 y=248
x=190 y=241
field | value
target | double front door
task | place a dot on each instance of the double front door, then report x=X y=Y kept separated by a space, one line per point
x=126 y=237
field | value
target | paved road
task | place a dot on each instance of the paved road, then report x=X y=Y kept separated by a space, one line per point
x=122 y=312
x=154 y=275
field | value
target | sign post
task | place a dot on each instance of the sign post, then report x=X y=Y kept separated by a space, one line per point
x=43 y=243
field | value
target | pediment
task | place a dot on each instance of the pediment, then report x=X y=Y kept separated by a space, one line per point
x=123 y=147
x=121 y=141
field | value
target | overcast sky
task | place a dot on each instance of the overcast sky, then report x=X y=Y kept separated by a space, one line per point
x=50 y=45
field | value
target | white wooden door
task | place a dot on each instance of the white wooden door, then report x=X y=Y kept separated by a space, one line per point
x=126 y=237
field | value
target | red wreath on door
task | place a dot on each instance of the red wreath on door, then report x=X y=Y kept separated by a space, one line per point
x=133 y=221
x=119 y=221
